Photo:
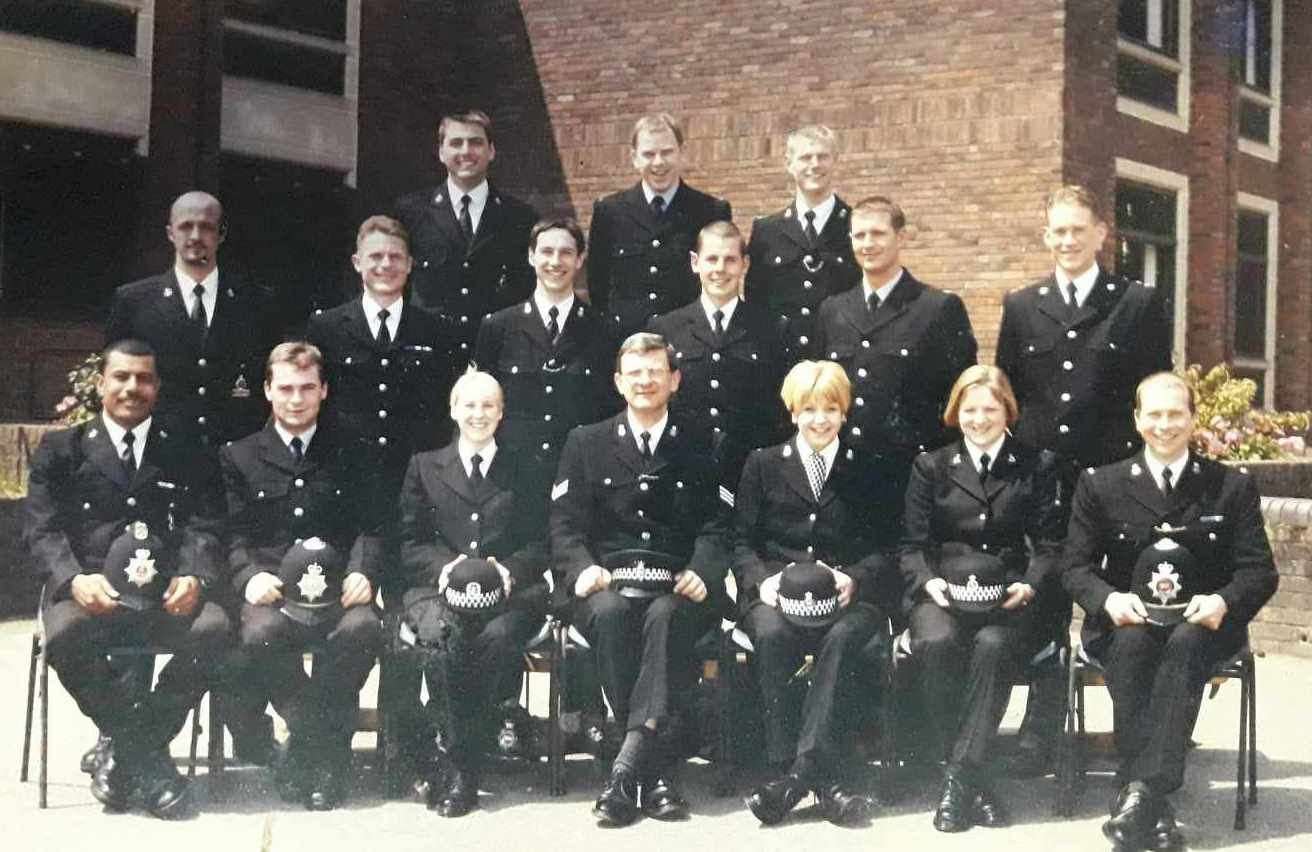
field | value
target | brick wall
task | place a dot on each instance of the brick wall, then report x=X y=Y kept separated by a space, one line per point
x=1284 y=626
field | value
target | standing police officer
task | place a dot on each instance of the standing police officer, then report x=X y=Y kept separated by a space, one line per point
x=803 y=254
x=641 y=237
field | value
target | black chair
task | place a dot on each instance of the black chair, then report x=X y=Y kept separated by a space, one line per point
x=1085 y=671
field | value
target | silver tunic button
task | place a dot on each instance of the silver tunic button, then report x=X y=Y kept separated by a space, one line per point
x=382 y=388
x=546 y=445
x=1067 y=365
x=642 y=486
x=474 y=517
x=646 y=536
x=201 y=362
x=651 y=297
x=861 y=372
x=382 y=414
x=464 y=291
x=298 y=511
x=473 y=545
x=382 y=440
x=1063 y=428
x=1072 y=334
x=547 y=389
x=86 y=507
x=860 y=401
x=811 y=517
x=715 y=412
x=807 y=284
x=655 y=243
x=653 y=270
x=299 y=483
x=1066 y=397
x=132 y=501
x=715 y=384
x=201 y=390
x=803 y=340
x=715 y=356
x=983 y=516
x=201 y=420
x=546 y=418
x=806 y=312
x=384 y=362
x=865 y=344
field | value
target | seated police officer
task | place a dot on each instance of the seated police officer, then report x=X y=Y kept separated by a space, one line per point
x=637 y=542
x=111 y=519
x=466 y=518
x=809 y=504
x=1167 y=554
x=305 y=555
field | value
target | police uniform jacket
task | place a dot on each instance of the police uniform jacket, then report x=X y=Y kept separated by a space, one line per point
x=390 y=401
x=273 y=502
x=209 y=385
x=80 y=499
x=637 y=263
x=1074 y=377
x=901 y=361
x=1017 y=503
x=790 y=277
x=444 y=515
x=1217 y=510
x=778 y=520
x=730 y=383
x=460 y=280
x=607 y=497
x=549 y=387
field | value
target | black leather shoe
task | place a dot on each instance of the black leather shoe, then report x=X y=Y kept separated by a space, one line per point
x=771 y=802
x=1133 y=817
x=255 y=744
x=461 y=795
x=954 y=805
x=164 y=792
x=1030 y=760
x=986 y=811
x=324 y=791
x=96 y=755
x=661 y=800
x=1165 y=836
x=112 y=783
x=841 y=807
x=618 y=803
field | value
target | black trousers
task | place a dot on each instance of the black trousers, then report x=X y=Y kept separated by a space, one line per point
x=644 y=649
x=969 y=664
x=814 y=734
x=76 y=642
x=1155 y=676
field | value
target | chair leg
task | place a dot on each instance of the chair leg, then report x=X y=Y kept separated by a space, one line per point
x=555 y=735
x=31 y=700
x=1242 y=759
x=888 y=790
x=214 y=748
x=1068 y=756
x=44 y=775
x=1251 y=683
x=724 y=756
x=195 y=738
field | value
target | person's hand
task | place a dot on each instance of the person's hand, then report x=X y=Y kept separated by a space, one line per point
x=594 y=578
x=1207 y=610
x=94 y=593
x=845 y=586
x=1125 y=608
x=1018 y=595
x=506 y=580
x=264 y=589
x=444 y=576
x=356 y=590
x=937 y=589
x=691 y=586
x=769 y=589
x=182 y=595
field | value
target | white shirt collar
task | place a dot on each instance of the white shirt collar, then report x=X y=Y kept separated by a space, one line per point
x=305 y=436
x=884 y=290
x=710 y=308
x=1083 y=283
x=477 y=200
x=544 y=305
x=829 y=453
x=371 y=309
x=656 y=431
x=823 y=211
x=485 y=453
x=187 y=285
x=116 y=433
x=977 y=451
x=1155 y=467
x=668 y=194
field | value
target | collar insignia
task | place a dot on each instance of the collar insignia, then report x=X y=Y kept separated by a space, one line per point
x=1135 y=470
x=168 y=292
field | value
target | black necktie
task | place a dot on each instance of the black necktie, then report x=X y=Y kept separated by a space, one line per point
x=1167 y=487
x=872 y=302
x=466 y=221
x=384 y=336
x=198 y=316
x=553 y=323
x=718 y=316
x=475 y=469
x=1074 y=303
x=658 y=206
x=811 y=234
x=298 y=449
x=129 y=458
x=984 y=468
x=646 y=444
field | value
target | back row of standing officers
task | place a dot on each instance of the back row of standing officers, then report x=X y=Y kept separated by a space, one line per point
x=445 y=284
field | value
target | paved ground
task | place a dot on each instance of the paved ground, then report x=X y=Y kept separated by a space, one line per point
x=244 y=813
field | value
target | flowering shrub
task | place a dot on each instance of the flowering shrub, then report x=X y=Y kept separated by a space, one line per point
x=1227 y=427
x=82 y=402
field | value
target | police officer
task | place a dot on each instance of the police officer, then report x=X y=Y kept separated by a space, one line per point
x=1075 y=344
x=468 y=501
x=299 y=480
x=729 y=354
x=468 y=237
x=122 y=470
x=640 y=238
x=551 y=353
x=803 y=254
x=640 y=481
x=1155 y=670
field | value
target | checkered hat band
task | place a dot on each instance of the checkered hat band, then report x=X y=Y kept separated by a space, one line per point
x=808 y=608
x=975 y=592
x=467 y=600
x=643 y=574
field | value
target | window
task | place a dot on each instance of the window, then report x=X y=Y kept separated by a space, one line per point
x=1255 y=292
x=297 y=43
x=1152 y=61
x=1259 y=88
x=109 y=25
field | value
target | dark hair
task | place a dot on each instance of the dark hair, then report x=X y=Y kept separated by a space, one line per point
x=128 y=346
x=465 y=116
x=580 y=241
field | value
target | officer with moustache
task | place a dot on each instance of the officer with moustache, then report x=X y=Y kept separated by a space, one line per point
x=802 y=254
x=640 y=481
x=1155 y=670
x=640 y=238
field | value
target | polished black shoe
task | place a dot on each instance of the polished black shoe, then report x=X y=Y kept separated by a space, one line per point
x=164 y=792
x=954 y=805
x=1133 y=817
x=661 y=800
x=255 y=744
x=461 y=795
x=771 y=802
x=323 y=792
x=1165 y=836
x=113 y=784
x=987 y=812
x=842 y=807
x=1030 y=760
x=618 y=803
x=96 y=755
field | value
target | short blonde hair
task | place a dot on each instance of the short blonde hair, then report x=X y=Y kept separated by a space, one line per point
x=812 y=133
x=299 y=354
x=380 y=224
x=1168 y=379
x=981 y=376
x=1076 y=195
x=656 y=123
x=470 y=378
x=818 y=381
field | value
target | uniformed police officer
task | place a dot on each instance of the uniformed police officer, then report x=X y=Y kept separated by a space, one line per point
x=551 y=353
x=1155 y=671
x=299 y=479
x=729 y=354
x=1075 y=344
x=641 y=481
x=640 y=238
x=468 y=500
x=803 y=254
x=468 y=238
x=123 y=471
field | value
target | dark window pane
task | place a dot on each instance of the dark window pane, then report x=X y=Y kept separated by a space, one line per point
x=277 y=62
x=1258 y=376
x=1250 y=309
x=1162 y=35
x=323 y=18
x=1257 y=64
x=1252 y=235
x=1254 y=121
x=1145 y=209
x=85 y=24
x=1147 y=83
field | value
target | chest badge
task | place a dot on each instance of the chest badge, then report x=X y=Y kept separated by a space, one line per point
x=240 y=388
